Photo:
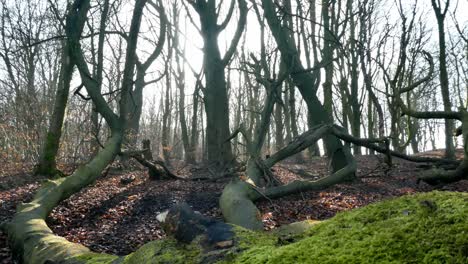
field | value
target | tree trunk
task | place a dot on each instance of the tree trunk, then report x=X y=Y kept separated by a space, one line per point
x=354 y=98
x=194 y=130
x=444 y=82
x=327 y=55
x=279 y=137
x=135 y=109
x=215 y=93
x=47 y=161
x=166 y=148
x=303 y=81
x=98 y=73
x=216 y=105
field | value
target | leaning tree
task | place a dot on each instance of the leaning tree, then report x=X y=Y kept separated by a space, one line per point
x=31 y=238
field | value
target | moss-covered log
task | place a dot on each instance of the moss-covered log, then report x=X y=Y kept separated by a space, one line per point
x=402 y=230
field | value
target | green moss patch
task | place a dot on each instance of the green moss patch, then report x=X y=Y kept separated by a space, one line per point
x=164 y=251
x=95 y=258
x=423 y=228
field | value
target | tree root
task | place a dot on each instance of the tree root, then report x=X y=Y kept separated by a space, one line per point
x=439 y=176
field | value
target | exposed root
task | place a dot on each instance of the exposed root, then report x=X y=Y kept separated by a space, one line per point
x=439 y=176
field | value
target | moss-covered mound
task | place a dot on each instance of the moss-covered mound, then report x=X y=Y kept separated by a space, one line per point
x=423 y=228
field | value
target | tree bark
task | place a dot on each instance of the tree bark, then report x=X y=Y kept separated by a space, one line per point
x=279 y=126
x=355 y=119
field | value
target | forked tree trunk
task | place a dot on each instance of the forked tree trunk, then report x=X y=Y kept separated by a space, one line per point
x=215 y=93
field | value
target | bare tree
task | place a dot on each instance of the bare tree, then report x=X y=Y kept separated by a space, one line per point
x=440 y=13
x=215 y=92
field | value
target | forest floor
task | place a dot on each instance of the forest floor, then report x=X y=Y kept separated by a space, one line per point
x=115 y=218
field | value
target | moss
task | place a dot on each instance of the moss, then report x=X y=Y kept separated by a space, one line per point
x=164 y=251
x=95 y=258
x=248 y=238
x=295 y=230
x=424 y=228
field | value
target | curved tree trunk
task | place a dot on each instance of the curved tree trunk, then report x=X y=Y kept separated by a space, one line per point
x=238 y=197
x=28 y=228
